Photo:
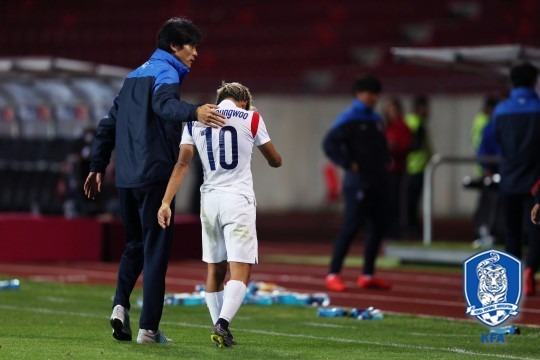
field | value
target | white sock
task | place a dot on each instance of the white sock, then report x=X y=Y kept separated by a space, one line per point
x=214 y=302
x=235 y=293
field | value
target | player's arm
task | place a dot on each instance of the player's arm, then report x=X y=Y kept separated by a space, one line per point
x=270 y=154
x=175 y=181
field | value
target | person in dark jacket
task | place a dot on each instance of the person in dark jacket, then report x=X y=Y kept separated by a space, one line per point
x=357 y=143
x=144 y=126
x=515 y=129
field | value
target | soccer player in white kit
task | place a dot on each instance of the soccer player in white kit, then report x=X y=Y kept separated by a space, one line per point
x=227 y=200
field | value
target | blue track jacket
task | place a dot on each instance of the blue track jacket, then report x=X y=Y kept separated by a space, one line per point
x=144 y=125
x=357 y=136
x=514 y=132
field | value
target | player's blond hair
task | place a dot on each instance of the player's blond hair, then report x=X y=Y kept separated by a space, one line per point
x=235 y=91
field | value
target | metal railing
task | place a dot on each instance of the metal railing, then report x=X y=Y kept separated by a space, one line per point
x=429 y=173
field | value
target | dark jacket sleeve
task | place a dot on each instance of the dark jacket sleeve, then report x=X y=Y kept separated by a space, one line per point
x=104 y=141
x=166 y=101
x=334 y=146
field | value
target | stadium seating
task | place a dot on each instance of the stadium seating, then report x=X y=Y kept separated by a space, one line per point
x=31 y=170
x=275 y=45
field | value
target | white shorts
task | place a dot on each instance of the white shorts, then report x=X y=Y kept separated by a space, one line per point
x=228 y=228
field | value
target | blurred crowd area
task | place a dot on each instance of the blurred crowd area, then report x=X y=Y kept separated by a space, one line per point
x=278 y=46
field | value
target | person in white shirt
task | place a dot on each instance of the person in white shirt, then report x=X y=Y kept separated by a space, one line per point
x=227 y=200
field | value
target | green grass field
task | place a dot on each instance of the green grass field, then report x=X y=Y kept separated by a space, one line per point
x=60 y=321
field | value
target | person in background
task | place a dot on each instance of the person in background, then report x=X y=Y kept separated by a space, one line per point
x=75 y=169
x=488 y=210
x=480 y=122
x=417 y=159
x=229 y=236
x=357 y=143
x=399 y=139
x=144 y=126
x=515 y=128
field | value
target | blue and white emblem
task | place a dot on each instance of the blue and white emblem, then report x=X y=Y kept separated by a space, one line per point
x=492 y=286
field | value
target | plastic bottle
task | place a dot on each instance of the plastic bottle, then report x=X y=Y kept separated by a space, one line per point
x=292 y=298
x=319 y=299
x=194 y=299
x=506 y=330
x=370 y=314
x=331 y=312
x=187 y=299
x=260 y=299
x=13 y=284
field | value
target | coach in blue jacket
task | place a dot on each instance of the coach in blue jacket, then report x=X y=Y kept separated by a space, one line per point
x=144 y=126
x=515 y=131
x=357 y=143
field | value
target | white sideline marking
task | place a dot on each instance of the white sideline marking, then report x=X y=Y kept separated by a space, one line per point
x=440 y=335
x=274 y=333
x=329 y=325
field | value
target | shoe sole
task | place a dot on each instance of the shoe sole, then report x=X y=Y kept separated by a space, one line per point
x=220 y=342
x=118 y=334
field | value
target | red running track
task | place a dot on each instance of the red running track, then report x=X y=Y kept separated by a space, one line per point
x=422 y=293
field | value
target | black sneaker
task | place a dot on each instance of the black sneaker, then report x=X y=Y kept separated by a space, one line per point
x=222 y=337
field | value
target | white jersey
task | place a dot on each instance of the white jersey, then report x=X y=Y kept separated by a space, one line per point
x=226 y=152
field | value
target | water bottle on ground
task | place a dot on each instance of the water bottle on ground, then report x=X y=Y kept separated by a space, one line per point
x=319 y=299
x=506 y=330
x=370 y=314
x=13 y=284
x=331 y=312
x=291 y=298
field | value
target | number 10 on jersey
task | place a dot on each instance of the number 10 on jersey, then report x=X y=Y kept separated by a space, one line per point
x=234 y=148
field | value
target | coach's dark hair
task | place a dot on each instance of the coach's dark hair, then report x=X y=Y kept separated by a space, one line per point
x=235 y=91
x=178 y=32
x=524 y=75
x=367 y=83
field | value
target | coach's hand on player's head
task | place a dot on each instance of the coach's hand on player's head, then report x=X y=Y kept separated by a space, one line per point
x=92 y=185
x=207 y=115
x=164 y=215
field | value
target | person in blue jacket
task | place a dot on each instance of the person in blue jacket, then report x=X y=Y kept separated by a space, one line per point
x=356 y=142
x=514 y=132
x=144 y=126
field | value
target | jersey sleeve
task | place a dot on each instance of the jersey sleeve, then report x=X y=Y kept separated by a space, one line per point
x=262 y=136
x=187 y=134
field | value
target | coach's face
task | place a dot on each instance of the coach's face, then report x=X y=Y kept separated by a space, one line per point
x=185 y=54
x=368 y=98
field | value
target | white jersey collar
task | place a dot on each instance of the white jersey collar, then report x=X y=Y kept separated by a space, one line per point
x=227 y=104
